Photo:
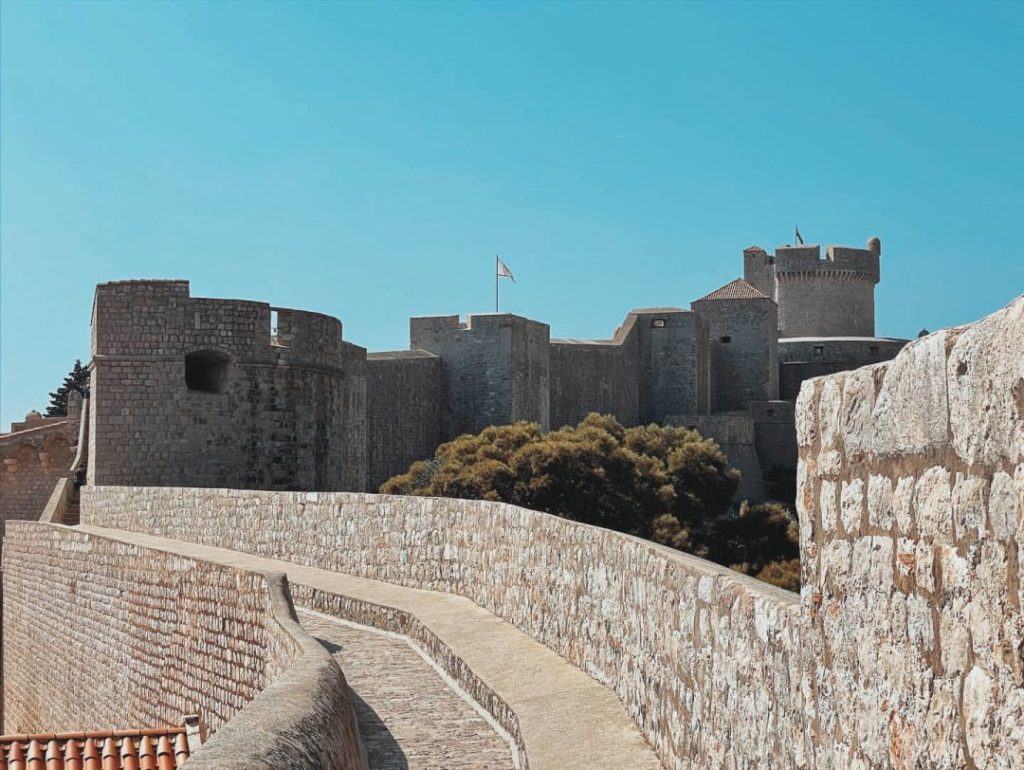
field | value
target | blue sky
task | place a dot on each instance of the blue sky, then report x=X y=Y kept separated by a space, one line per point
x=368 y=160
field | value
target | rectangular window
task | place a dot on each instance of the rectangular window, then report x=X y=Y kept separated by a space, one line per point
x=658 y=323
x=819 y=350
x=726 y=339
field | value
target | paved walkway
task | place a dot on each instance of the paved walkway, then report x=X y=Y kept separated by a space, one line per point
x=567 y=720
x=409 y=716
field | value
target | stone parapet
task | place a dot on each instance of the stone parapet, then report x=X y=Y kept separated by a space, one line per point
x=911 y=500
x=706 y=660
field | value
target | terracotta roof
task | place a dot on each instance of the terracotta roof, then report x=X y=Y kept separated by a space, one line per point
x=163 y=748
x=738 y=289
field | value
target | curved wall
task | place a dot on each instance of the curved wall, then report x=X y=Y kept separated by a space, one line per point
x=286 y=411
x=902 y=652
x=832 y=296
x=825 y=304
x=100 y=634
x=705 y=660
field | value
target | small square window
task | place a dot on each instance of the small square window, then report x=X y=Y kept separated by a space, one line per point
x=819 y=350
x=873 y=349
x=658 y=323
x=726 y=339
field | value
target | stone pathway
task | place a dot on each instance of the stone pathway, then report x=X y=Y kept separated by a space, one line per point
x=409 y=717
x=566 y=719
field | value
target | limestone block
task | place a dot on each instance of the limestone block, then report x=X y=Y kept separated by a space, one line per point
x=953 y=636
x=880 y=501
x=906 y=558
x=805 y=414
x=858 y=407
x=829 y=465
x=924 y=570
x=985 y=376
x=969 y=494
x=911 y=410
x=1004 y=511
x=828 y=506
x=978 y=710
x=902 y=504
x=830 y=406
x=941 y=733
x=934 y=505
x=851 y=505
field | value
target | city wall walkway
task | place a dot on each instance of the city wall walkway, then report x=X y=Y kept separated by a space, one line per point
x=557 y=716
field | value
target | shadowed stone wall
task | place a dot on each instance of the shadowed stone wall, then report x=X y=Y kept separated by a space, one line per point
x=802 y=358
x=404 y=411
x=37 y=452
x=743 y=337
x=911 y=495
x=31 y=461
x=100 y=634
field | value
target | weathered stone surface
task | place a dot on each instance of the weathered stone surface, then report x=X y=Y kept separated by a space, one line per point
x=911 y=412
x=918 y=639
x=408 y=715
x=987 y=423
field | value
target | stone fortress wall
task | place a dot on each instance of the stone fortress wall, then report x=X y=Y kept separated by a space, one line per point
x=201 y=392
x=101 y=634
x=229 y=393
x=33 y=456
x=832 y=296
x=902 y=651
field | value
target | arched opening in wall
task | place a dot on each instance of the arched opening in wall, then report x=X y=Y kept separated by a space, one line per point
x=206 y=371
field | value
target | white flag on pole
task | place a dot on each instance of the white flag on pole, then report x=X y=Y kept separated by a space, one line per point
x=504 y=272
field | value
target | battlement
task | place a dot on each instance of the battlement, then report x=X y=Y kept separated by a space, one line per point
x=838 y=261
x=161 y=318
x=421 y=327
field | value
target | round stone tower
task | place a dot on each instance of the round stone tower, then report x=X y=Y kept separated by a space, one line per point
x=830 y=296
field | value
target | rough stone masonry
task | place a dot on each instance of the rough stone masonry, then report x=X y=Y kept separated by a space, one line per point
x=911 y=498
x=906 y=648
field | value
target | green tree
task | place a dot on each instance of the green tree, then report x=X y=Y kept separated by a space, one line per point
x=670 y=485
x=754 y=537
x=784 y=574
x=597 y=472
x=77 y=378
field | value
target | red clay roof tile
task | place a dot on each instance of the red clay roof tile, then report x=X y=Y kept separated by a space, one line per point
x=738 y=289
x=164 y=748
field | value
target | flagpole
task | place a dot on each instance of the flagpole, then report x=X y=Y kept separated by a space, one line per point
x=495 y=283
